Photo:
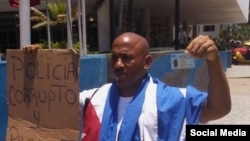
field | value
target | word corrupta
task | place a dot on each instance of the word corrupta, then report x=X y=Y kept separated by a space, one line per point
x=39 y=70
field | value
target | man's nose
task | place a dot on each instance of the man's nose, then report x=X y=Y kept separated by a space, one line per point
x=119 y=63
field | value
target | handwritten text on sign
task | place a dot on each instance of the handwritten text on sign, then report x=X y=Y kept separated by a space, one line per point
x=43 y=95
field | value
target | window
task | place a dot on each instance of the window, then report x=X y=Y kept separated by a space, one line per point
x=208 y=28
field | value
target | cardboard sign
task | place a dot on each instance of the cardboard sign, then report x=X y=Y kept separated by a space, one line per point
x=43 y=96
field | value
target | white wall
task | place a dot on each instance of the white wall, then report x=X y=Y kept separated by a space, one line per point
x=215 y=33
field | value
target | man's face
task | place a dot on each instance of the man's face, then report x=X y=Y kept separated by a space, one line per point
x=128 y=63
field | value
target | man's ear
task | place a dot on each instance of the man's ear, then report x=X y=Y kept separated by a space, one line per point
x=148 y=61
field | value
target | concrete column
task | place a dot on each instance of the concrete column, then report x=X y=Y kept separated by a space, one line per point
x=82 y=28
x=147 y=21
x=170 y=31
x=103 y=16
x=177 y=20
x=194 y=31
x=69 y=25
x=25 y=31
x=184 y=26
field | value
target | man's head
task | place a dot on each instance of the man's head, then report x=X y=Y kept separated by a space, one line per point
x=130 y=59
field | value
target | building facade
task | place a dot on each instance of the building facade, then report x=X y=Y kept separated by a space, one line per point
x=105 y=19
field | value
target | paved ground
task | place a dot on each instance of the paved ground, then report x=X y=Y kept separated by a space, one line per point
x=239 y=81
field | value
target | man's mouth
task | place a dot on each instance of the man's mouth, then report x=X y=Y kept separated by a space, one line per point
x=120 y=75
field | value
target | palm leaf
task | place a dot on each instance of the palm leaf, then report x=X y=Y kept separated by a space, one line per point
x=58 y=14
x=38 y=13
x=36 y=19
x=57 y=8
x=39 y=25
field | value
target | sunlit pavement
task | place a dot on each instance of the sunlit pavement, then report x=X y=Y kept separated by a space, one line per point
x=239 y=81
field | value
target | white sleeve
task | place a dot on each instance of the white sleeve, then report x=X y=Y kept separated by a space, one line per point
x=82 y=97
x=183 y=131
x=85 y=94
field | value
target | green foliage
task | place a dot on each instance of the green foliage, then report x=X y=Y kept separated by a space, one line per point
x=241 y=33
x=58 y=19
x=43 y=44
x=59 y=45
x=57 y=8
x=76 y=46
x=57 y=12
x=244 y=32
x=63 y=45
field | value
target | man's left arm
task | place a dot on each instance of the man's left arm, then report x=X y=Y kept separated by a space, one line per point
x=218 y=103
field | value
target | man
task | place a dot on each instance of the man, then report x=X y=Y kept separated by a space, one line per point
x=136 y=106
x=183 y=39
